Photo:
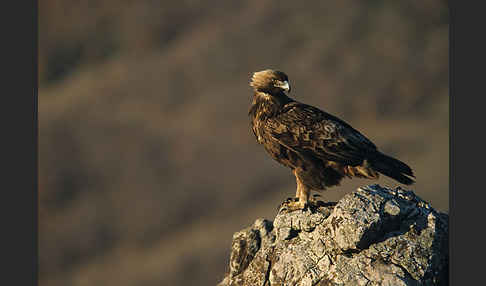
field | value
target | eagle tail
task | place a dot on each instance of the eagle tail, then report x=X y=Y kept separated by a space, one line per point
x=392 y=168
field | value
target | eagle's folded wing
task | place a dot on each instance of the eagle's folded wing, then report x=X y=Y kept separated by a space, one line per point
x=308 y=130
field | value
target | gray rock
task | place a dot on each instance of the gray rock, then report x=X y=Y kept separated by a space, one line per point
x=373 y=236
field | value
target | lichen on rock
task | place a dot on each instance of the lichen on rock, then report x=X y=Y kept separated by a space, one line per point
x=372 y=236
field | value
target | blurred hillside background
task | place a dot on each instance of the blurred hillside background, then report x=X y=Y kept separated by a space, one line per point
x=147 y=162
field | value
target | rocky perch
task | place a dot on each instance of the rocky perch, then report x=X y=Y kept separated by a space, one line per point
x=373 y=236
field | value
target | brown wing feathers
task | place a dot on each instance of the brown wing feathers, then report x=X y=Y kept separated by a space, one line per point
x=307 y=130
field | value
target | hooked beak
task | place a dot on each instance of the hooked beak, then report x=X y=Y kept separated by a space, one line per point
x=286 y=86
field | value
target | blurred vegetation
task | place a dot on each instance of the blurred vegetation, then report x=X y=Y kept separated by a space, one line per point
x=147 y=162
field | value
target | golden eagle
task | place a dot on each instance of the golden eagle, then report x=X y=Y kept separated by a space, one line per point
x=318 y=147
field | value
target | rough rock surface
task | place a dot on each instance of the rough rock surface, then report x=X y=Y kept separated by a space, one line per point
x=373 y=236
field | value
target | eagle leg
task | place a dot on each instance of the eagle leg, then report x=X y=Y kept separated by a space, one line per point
x=302 y=195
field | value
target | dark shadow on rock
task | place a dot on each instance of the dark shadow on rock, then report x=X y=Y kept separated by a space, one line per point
x=441 y=243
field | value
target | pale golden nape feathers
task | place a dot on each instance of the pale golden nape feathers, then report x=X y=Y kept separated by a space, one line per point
x=269 y=81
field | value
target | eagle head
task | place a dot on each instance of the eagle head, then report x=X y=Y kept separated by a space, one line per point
x=270 y=81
